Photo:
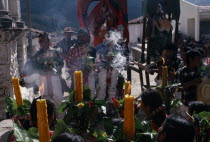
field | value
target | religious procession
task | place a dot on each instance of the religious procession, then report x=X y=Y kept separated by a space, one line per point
x=105 y=71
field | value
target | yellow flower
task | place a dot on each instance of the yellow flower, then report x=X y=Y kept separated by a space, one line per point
x=80 y=105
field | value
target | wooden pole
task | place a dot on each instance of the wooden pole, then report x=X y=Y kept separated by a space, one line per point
x=28 y=23
x=142 y=53
x=143 y=41
x=176 y=39
x=148 y=60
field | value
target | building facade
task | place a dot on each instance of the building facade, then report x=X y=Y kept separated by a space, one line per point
x=194 y=20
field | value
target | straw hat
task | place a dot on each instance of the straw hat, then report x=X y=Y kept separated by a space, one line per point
x=68 y=30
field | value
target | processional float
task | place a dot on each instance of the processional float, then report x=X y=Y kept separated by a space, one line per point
x=105 y=15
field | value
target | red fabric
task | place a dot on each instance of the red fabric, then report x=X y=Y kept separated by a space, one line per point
x=80 y=18
x=120 y=13
x=154 y=127
x=93 y=13
x=74 y=59
x=12 y=138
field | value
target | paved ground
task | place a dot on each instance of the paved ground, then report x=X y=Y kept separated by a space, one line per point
x=5 y=127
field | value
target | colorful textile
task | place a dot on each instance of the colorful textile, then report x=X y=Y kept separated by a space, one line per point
x=74 y=61
x=173 y=65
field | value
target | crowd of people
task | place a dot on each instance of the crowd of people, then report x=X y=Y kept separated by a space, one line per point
x=187 y=66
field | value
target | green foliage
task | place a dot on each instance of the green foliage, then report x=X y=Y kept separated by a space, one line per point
x=33 y=133
x=61 y=127
x=63 y=106
x=145 y=137
x=168 y=96
x=87 y=93
x=108 y=125
x=204 y=123
x=13 y=109
x=176 y=103
x=25 y=136
x=81 y=117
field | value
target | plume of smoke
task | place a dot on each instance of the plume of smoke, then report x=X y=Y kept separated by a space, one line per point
x=113 y=36
x=119 y=62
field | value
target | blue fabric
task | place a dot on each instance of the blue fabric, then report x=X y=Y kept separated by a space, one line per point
x=103 y=49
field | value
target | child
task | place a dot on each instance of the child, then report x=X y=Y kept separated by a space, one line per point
x=176 y=129
x=189 y=76
x=196 y=107
x=33 y=114
x=152 y=105
x=172 y=61
x=50 y=111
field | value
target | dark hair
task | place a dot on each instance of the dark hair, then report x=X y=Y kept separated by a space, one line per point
x=197 y=107
x=191 y=54
x=170 y=46
x=152 y=98
x=178 y=129
x=66 y=137
x=200 y=50
x=192 y=45
x=186 y=48
x=44 y=35
x=33 y=109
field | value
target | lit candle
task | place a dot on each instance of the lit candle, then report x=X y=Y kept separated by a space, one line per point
x=17 y=91
x=129 y=122
x=164 y=76
x=42 y=118
x=163 y=61
x=78 y=83
x=127 y=88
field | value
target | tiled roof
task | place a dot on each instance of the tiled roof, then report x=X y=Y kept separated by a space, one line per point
x=204 y=9
x=136 y=21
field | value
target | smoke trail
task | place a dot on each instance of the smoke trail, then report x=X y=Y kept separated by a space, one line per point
x=113 y=36
x=119 y=60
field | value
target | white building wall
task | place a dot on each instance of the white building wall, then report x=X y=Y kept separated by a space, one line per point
x=135 y=31
x=189 y=20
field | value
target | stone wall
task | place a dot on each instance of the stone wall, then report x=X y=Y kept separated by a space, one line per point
x=12 y=48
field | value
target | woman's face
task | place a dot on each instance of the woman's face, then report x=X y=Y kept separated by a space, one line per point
x=84 y=50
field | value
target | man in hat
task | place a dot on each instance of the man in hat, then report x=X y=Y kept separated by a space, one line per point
x=66 y=43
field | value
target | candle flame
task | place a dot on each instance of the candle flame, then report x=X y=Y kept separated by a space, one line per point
x=41 y=87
